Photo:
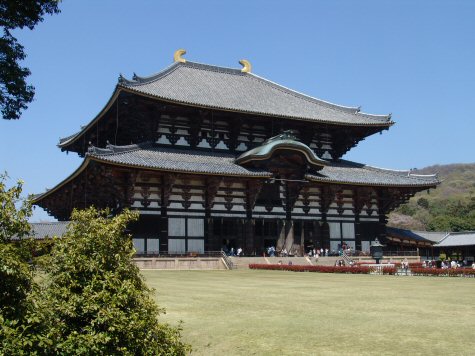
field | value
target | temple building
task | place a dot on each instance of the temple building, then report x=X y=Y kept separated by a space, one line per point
x=215 y=157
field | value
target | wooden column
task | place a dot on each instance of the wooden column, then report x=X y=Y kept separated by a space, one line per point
x=250 y=246
x=327 y=195
x=167 y=182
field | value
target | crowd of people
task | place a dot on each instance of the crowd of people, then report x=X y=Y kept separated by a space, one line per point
x=318 y=253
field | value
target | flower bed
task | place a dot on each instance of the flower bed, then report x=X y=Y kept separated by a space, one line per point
x=444 y=272
x=322 y=269
x=396 y=264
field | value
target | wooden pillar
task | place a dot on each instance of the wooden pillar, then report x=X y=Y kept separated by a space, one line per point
x=208 y=224
x=241 y=239
x=163 y=230
x=325 y=232
x=248 y=230
x=166 y=184
x=357 y=233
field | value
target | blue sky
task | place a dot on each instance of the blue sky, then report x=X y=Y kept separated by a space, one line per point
x=414 y=59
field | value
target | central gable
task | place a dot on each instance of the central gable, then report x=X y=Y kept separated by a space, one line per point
x=284 y=156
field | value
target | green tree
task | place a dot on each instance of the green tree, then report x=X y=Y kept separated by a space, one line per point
x=94 y=300
x=15 y=94
x=16 y=277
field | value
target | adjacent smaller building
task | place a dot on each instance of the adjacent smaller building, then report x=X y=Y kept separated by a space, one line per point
x=432 y=244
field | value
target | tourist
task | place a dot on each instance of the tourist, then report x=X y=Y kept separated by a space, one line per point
x=272 y=251
x=405 y=265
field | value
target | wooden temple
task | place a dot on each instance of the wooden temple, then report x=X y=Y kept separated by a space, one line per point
x=216 y=158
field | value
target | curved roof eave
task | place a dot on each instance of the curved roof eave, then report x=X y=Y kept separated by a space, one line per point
x=423 y=186
x=90 y=158
x=72 y=138
x=383 y=125
x=73 y=175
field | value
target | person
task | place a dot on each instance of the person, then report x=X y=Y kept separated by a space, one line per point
x=405 y=265
x=326 y=252
x=284 y=252
x=473 y=265
x=272 y=251
x=239 y=251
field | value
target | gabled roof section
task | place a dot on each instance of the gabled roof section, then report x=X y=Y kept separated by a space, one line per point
x=286 y=142
x=43 y=230
x=230 y=89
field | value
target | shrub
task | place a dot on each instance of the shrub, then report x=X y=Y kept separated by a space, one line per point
x=94 y=300
x=305 y=268
x=446 y=272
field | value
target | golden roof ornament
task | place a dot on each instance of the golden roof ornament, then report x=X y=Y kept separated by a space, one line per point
x=246 y=66
x=177 y=57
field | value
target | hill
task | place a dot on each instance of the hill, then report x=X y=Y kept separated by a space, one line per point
x=450 y=207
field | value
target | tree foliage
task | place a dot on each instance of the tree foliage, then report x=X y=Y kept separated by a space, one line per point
x=15 y=93
x=450 y=207
x=16 y=277
x=94 y=300
x=13 y=220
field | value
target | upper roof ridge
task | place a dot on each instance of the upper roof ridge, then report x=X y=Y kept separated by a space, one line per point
x=137 y=79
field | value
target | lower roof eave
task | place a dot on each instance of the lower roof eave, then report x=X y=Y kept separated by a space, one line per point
x=372 y=184
x=38 y=197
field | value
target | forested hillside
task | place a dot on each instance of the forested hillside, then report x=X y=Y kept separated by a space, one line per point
x=450 y=207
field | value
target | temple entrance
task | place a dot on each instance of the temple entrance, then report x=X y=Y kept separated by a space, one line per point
x=266 y=231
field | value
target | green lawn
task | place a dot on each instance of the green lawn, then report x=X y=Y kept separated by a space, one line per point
x=248 y=312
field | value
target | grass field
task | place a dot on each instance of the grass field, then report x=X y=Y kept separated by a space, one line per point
x=248 y=312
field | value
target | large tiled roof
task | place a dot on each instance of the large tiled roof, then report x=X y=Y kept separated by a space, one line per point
x=458 y=239
x=356 y=173
x=229 y=89
x=151 y=156
x=178 y=160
